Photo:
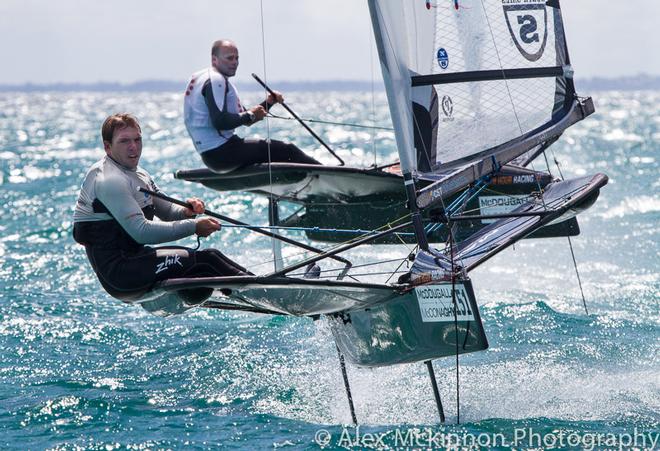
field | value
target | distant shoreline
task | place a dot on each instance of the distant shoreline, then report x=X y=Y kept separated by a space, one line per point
x=632 y=83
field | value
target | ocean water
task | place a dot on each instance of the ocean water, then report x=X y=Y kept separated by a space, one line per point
x=80 y=370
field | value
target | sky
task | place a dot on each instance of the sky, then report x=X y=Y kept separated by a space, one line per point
x=87 y=41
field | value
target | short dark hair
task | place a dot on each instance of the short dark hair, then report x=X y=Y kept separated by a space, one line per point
x=215 y=49
x=118 y=121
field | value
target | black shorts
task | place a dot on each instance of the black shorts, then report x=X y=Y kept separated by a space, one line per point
x=130 y=275
x=239 y=152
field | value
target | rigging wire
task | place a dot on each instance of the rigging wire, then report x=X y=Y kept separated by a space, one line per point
x=455 y=306
x=570 y=242
x=396 y=271
x=329 y=248
x=499 y=60
x=547 y=163
x=451 y=243
x=577 y=273
x=364 y=265
x=360 y=232
x=276 y=246
x=554 y=157
x=353 y=275
x=345 y=124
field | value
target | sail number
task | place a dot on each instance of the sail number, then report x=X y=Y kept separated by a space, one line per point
x=436 y=304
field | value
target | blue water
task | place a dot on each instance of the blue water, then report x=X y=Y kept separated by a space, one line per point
x=80 y=370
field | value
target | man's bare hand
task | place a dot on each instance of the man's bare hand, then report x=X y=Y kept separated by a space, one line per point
x=197 y=207
x=206 y=226
x=274 y=97
x=259 y=113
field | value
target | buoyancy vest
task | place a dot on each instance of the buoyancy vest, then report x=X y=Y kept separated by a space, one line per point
x=196 y=114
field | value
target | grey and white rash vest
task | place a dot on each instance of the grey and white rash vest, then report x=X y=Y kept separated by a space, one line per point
x=206 y=134
x=110 y=193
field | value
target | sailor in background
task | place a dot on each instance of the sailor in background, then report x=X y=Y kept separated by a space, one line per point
x=212 y=110
x=114 y=221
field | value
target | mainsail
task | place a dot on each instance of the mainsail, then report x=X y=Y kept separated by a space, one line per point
x=473 y=84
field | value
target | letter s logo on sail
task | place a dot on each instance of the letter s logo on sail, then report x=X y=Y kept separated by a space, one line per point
x=528 y=29
x=528 y=26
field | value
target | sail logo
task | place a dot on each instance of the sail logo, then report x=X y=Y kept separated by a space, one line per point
x=443 y=58
x=436 y=303
x=447 y=108
x=528 y=26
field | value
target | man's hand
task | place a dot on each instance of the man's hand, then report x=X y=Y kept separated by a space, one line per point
x=197 y=207
x=206 y=226
x=275 y=97
x=259 y=113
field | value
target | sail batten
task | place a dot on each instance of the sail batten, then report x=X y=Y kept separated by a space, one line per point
x=486 y=75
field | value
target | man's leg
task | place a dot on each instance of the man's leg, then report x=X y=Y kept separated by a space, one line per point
x=284 y=152
x=213 y=263
x=131 y=277
x=244 y=152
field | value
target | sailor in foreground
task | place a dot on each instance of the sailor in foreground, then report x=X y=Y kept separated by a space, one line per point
x=212 y=110
x=114 y=221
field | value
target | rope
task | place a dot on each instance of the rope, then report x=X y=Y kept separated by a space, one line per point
x=396 y=271
x=554 y=157
x=314 y=229
x=319 y=121
x=364 y=265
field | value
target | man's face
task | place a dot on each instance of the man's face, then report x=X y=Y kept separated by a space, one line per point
x=126 y=147
x=226 y=62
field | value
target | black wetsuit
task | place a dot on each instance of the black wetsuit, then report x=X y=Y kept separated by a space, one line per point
x=114 y=221
x=239 y=152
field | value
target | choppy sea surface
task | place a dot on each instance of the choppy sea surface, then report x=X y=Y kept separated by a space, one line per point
x=80 y=370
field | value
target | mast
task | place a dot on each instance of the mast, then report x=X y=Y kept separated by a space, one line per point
x=392 y=45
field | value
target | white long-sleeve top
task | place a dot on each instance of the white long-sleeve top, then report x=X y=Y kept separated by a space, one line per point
x=116 y=187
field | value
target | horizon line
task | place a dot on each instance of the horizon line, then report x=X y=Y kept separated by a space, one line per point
x=640 y=80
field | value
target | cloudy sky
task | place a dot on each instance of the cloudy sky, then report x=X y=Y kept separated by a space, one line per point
x=128 y=40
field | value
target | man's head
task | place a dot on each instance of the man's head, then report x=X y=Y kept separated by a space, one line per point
x=122 y=139
x=224 y=57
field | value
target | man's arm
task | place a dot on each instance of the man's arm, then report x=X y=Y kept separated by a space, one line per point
x=222 y=119
x=116 y=196
x=167 y=211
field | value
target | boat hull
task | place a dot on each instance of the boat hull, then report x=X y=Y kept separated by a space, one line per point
x=365 y=199
x=284 y=295
x=404 y=330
